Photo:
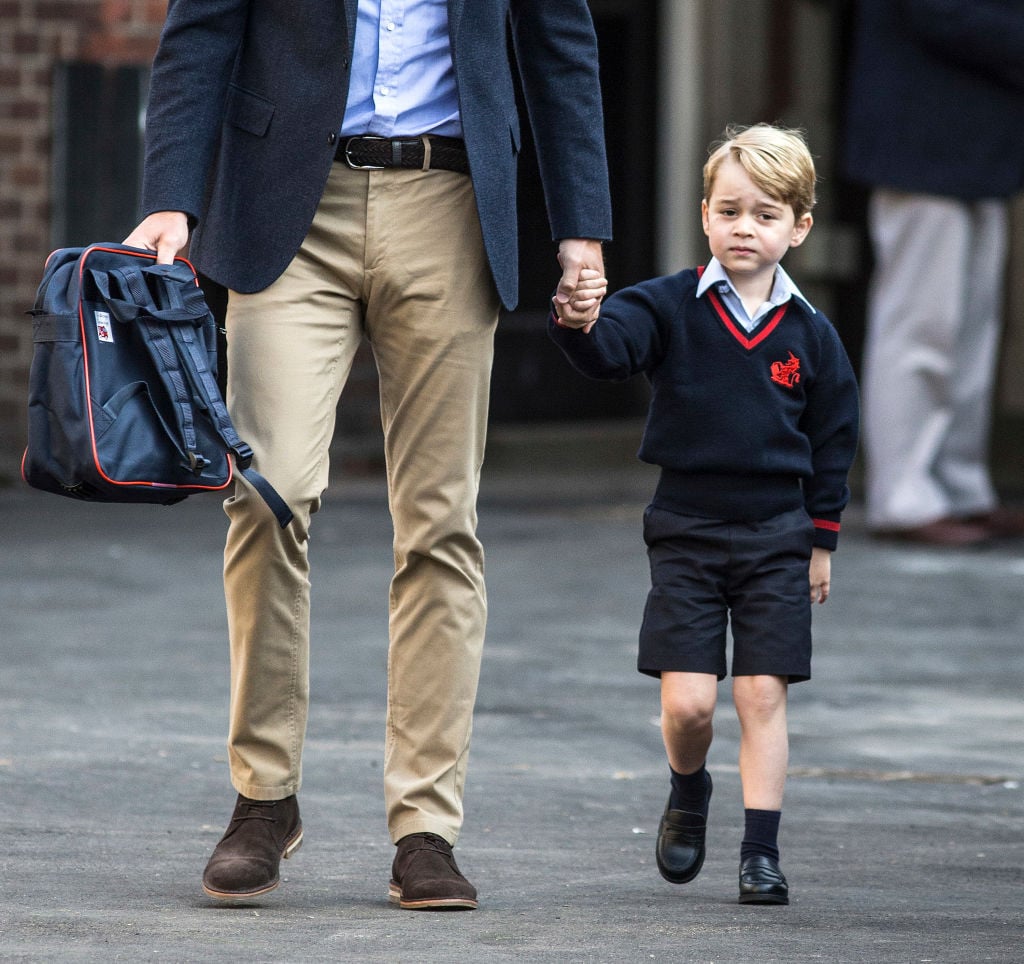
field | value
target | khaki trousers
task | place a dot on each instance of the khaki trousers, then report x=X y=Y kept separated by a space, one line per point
x=395 y=256
x=930 y=356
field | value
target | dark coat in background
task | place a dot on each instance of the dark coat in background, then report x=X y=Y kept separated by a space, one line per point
x=936 y=97
x=244 y=143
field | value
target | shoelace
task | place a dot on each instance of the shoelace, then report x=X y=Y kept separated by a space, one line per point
x=430 y=844
x=257 y=805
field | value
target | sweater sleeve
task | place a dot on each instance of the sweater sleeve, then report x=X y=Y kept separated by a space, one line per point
x=831 y=422
x=630 y=336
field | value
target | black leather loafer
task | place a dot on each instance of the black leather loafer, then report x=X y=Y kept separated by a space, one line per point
x=762 y=882
x=246 y=861
x=424 y=876
x=680 y=849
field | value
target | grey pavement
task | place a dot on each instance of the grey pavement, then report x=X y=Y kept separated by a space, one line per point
x=902 y=829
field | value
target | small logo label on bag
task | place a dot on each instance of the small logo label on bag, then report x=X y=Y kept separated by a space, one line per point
x=786 y=373
x=103 y=330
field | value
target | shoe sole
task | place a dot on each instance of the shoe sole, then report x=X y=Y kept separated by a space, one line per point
x=429 y=903
x=677 y=879
x=290 y=848
x=762 y=899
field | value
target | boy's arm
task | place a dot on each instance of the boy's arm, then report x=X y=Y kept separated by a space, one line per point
x=630 y=336
x=821 y=574
x=831 y=422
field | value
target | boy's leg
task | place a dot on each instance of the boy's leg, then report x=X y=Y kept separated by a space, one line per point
x=764 y=756
x=764 y=739
x=687 y=711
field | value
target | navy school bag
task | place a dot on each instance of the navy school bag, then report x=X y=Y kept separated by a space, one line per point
x=123 y=398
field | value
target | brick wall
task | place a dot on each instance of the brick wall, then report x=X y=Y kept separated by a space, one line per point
x=35 y=35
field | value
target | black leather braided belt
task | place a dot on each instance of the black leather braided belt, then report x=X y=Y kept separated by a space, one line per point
x=426 y=153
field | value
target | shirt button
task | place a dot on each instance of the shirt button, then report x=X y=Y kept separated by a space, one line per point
x=332 y=138
x=389 y=26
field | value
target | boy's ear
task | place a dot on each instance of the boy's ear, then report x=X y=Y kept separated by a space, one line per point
x=801 y=229
x=704 y=215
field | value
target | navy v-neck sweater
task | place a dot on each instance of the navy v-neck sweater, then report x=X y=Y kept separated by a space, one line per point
x=744 y=425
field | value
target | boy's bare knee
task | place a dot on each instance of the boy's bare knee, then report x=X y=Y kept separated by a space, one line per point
x=686 y=713
x=759 y=696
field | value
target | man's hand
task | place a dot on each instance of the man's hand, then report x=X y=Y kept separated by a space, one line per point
x=821 y=574
x=165 y=232
x=575 y=254
x=582 y=308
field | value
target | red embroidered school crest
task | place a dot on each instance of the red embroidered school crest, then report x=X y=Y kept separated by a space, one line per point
x=786 y=373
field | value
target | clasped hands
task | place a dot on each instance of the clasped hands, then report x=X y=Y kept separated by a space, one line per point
x=577 y=301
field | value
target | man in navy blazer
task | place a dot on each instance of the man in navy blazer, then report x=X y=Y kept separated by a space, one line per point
x=934 y=123
x=348 y=170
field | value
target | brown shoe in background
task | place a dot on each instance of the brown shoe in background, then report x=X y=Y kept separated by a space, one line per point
x=946 y=533
x=246 y=861
x=1000 y=523
x=424 y=876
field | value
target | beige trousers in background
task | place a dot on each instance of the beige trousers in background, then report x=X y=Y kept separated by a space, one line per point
x=930 y=356
x=395 y=256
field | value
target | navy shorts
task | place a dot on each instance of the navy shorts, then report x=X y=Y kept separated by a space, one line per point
x=706 y=573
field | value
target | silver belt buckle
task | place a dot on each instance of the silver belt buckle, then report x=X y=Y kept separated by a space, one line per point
x=348 y=153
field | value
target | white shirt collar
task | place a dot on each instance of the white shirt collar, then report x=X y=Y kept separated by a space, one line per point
x=783 y=287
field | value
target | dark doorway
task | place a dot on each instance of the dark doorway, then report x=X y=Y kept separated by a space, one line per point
x=532 y=381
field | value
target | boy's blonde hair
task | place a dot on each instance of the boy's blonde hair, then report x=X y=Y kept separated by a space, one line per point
x=776 y=158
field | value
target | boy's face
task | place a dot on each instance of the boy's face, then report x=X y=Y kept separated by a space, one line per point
x=749 y=231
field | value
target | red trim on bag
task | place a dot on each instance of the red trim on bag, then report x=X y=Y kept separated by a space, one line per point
x=88 y=392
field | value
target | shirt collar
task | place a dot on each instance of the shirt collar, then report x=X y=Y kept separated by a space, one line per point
x=783 y=287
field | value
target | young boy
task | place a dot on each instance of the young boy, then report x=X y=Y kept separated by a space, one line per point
x=753 y=420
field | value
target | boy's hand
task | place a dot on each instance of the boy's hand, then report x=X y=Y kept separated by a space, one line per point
x=821 y=574
x=581 y=308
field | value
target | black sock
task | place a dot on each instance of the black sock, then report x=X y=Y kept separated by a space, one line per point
x=761 y=834
x=690 y=791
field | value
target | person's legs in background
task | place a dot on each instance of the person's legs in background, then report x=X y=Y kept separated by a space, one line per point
x=928 y=366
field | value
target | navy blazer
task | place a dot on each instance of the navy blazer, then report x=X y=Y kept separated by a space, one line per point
x=936 y=97
x=247 y=97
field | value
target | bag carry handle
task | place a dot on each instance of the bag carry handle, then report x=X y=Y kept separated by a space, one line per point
x=171 y=335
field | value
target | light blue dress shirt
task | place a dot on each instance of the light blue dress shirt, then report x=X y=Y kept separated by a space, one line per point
x=403 y=81
x=783 y=288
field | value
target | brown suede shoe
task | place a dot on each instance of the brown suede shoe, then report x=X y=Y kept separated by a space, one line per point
x=424 y=876
x=246 y=860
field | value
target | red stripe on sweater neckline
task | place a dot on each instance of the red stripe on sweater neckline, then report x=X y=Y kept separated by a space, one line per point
x=733 y=328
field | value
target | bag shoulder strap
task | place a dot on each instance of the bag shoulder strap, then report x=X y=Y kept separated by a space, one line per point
x=169 y=324
x=189 y=300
